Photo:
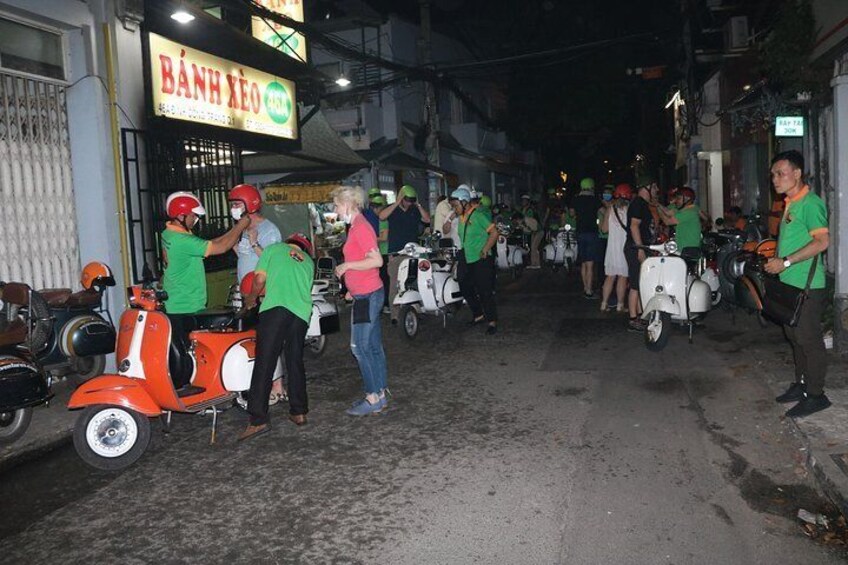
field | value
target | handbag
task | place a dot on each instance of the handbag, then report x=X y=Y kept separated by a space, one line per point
x=782 y=302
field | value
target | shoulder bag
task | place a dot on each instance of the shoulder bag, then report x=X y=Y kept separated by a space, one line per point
x=782 y=302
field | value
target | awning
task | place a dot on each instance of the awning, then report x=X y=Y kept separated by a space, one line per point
x=321 y=149
x=390 y=155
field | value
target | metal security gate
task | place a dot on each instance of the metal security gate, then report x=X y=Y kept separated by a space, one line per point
x=157 y=165
x=38 y=232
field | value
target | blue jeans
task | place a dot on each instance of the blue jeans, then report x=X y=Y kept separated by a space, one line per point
x=366 y=344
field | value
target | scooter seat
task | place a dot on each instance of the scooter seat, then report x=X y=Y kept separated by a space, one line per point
x=83 y=298
x=55 y=297
x=212 y=319
x=14 y=333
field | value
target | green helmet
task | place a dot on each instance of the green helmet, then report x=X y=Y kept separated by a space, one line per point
x=407 y=191
x=587 y=184
x=379 y=200
x=485 y=201
x=372 y=192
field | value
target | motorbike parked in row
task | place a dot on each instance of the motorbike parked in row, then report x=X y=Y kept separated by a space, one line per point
x=82 y=332
x=24 y=384
x=511 y=249
x=427 y=284
x=561 y=249
x=113 y=430
x=671 y=292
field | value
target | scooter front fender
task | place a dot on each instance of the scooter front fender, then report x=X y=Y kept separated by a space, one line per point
x=115 y=390
x=662 y=303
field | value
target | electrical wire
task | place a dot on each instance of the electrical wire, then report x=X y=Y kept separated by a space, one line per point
x=106 y=88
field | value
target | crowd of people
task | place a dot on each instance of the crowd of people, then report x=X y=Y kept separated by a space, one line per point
x=614 y=225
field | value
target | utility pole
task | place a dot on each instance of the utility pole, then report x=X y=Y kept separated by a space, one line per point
x=431 y=109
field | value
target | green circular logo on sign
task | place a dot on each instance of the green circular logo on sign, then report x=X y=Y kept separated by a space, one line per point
x=278 y=103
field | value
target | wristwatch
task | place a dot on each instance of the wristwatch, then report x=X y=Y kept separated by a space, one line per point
x=256 y=245
x=786 y=263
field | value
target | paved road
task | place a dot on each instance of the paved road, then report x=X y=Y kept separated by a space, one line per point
x=560 y=440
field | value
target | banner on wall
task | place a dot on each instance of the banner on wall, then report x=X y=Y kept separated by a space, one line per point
x=278 y=36
x=299 y=194
x=194 y=86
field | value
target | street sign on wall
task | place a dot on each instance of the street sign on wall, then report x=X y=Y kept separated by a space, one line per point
x=278 y=36
x=299 y=194
x=789 y=126
x=193 y=86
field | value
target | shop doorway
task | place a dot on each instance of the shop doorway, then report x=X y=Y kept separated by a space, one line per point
x=155 y=165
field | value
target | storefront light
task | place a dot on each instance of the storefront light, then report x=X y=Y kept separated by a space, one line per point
x=343 y=81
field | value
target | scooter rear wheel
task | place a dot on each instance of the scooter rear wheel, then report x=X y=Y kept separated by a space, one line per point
x=658 y=331
x=111 y=438
x=14 y=424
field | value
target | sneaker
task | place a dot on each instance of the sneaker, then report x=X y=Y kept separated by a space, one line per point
x=636 y=325
x=365 y=408
x=809 y=405
x=387 y=310
x=604 y=306
x=589 y=296
x=795 y=393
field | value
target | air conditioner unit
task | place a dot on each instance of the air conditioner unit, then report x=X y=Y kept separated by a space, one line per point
x=736 y=33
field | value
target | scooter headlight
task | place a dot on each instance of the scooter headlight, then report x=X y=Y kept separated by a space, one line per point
x=567 y=227
x=424 y=265
x=670 y=246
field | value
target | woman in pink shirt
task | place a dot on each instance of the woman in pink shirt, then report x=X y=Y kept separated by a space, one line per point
x=361 y=272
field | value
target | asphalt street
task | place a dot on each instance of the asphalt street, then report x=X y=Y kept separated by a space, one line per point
x=559 y=440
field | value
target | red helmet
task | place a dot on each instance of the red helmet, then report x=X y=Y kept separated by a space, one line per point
x=249 y=195
x=96 y=274
x=687 y=193
x=181 y=203
x=246 y=285
x=623 y=190
x=301 y=241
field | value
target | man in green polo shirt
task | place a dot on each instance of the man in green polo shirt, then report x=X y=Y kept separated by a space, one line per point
x=285 y=273
x=478 y=235
x=803 y=237
x=685 y=215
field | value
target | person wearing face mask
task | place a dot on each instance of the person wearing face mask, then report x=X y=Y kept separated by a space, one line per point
x=184 y=278
x=245 y=201
x=361 y=273
x=405 y=217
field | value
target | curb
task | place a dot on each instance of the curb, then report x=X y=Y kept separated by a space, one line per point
x=830 y=478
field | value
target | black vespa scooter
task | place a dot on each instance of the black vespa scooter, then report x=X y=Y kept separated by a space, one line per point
x=82 y=333
x=23 y=383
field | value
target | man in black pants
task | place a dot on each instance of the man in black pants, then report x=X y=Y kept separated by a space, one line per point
x=478 y=236
x=803 y=238
x=285 y=272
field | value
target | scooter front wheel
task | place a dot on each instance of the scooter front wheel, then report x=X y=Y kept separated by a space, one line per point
x=111 y=438
x=658 y=331
x=409 y=322
x=14 y=424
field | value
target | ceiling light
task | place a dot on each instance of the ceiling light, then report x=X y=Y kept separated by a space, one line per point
x=342 y=81
x=746 y=88
x=182 y=15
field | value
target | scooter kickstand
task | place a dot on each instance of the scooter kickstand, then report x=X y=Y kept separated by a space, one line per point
x=214 y=424
x=691 y=330
x=166 y=421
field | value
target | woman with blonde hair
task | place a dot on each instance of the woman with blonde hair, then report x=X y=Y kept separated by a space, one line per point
x=361 y=272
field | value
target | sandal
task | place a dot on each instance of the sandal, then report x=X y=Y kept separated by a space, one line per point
x=277 y=397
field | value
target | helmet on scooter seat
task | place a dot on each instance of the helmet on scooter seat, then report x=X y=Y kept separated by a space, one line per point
x=624 y=191
x=248 y=195
x=246 y=284
x=462 y=194
x=182 y=203
x=301 y=241
x=96 y=274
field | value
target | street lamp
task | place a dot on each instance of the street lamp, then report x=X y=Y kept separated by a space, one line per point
x=343 y=81
x=182 y=15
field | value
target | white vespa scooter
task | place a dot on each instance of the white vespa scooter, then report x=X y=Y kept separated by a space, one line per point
x=510 y=252
x=669 y=293
x=561 y=250
x=427 y=284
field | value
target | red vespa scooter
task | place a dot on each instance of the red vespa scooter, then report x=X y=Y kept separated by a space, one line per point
x=114 y=429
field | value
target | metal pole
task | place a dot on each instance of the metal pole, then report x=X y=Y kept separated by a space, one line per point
x=839 y=235
x=431 y=110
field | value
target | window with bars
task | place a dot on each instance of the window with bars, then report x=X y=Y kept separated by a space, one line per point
x=32 y=50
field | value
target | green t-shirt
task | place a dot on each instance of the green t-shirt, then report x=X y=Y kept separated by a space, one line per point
x=801 y=219
x=185 y=277
x=688 y=228
x=384 y=245
x=474 y=231
x=288 y=279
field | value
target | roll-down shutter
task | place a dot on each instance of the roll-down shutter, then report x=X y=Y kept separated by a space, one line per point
x=38 y=232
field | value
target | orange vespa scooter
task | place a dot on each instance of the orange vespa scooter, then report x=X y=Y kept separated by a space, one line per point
x=114 y=429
